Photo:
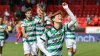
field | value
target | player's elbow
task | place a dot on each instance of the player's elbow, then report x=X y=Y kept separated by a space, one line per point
x=74 y=19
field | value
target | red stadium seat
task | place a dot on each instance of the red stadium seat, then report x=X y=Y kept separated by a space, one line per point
x=50 y=8
x=94 y=21
x=34 y=8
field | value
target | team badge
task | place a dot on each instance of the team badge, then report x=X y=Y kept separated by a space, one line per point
x=30 y=27
x=57 y=35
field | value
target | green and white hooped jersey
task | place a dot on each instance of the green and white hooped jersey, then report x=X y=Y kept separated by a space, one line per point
x=2 y=33
x=29 y=26
x=70 y=33
x=54 y=39
x=39 y=27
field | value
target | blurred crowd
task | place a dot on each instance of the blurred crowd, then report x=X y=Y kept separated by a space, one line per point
x=93 y=20
x=19 y=14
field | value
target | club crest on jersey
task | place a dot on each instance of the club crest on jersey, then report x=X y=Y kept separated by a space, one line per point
x=30 y=27
x=57 y=35
x=56 y=39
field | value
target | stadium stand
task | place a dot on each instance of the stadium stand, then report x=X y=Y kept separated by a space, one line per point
x=81 y=8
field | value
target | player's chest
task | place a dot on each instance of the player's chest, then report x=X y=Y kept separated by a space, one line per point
x=30 y=25
x=56 y=36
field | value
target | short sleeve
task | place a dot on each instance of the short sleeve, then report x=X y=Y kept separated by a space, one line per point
x=23 y=24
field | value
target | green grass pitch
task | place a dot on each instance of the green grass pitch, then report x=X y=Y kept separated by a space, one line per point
x=83 y=49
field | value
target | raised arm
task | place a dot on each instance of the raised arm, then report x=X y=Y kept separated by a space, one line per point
x=41 y=45
x=73 y=18
x=42 y=18
x=37 y=20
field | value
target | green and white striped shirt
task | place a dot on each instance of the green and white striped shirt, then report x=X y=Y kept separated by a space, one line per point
x=54 y=39
x=70 y=33
x=29 y=26
x=2 y=33
x=39 y=27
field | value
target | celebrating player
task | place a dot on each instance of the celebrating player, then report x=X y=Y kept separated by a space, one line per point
x=40 y=27
x=70 y=38
x=53 y=36
x=3 y=31
x=28 y=30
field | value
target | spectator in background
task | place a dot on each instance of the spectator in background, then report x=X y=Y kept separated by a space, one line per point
x=97 y=2
x=17 y=12
x=91 y=17
x=33 y=2
x=28 y=3
x=11 y=4
x=9 y=24
x=6 y=14
x=23 y=9
x=13 y=24
x=88 y=19
x=8 y=1
x=22 y=2
x=94 y=21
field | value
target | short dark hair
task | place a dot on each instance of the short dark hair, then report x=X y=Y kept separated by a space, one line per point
x=56 y=13
x=42 y=6
x=28 y=9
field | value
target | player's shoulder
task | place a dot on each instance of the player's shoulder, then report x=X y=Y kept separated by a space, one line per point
x=23 y=20
x=36 y=18
x=48 y=29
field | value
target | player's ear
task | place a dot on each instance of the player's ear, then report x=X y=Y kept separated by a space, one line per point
x=53 y=19
x=25 y=13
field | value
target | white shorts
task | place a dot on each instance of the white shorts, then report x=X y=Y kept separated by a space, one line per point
x=30 y=48
x=37 y=38
x=2 y=43
x=70 y=43
x=44 y=43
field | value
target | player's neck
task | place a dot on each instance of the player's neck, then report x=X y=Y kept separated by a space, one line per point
x=28 y=18
x=57 y=25
x=39 y=15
